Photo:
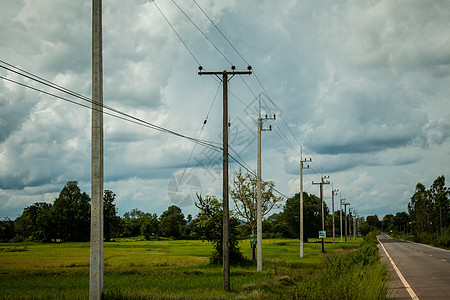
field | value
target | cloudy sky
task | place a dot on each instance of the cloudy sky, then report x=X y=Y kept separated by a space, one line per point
x=363 y=86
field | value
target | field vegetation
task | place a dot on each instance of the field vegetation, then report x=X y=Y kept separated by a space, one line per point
x=181 y=269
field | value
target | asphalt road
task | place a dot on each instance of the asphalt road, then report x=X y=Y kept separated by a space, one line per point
x=425 y=269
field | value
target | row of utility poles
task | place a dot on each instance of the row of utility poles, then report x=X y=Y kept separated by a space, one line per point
x=96 y=246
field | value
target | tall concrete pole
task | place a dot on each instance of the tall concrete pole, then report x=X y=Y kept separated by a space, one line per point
x=301 y=202
x=96 y=245
x=349 y=223
x=258 y=190
x=259 y=204
x=226 y=211
x=333 y=192
x=321 y=183
x=340 y=217
x=301 y=198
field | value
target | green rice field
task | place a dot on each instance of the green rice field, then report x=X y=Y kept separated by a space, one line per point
x=159 y=270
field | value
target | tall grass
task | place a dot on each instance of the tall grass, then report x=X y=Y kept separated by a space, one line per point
x=360 y=275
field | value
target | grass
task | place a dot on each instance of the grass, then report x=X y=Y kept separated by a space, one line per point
x=160 y=269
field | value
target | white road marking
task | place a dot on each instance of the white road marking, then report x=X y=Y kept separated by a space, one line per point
x=400 y=275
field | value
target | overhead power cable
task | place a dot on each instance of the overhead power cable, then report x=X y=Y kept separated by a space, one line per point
x=112 y=112
x=198 y=28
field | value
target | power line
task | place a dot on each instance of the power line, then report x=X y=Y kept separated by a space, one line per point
x=113 y=112
x=179 y=37
x=232 y=46
x=198 y=28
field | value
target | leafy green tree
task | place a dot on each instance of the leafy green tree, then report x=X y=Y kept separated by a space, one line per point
x=373 y=222
x=150 y=226
x=110 y=218
x=210 y=227
x=401 y=222
x=71 y=213
x=420 y=209
x=132 y=222
x=244 y=195
x=312 y=219
x=440 y=204
x=387 y=224
x=172 y=222
x=27 y=224
x=7 y=230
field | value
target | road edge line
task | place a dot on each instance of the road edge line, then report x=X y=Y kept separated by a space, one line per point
x=400 y=275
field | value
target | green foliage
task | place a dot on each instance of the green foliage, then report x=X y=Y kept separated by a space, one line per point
x=244 y=195
x=360 y=276
x=430 y=213
x=110 y=218
x=172 y=222
x=311 y=213
x=210 y=227
x=71 y=214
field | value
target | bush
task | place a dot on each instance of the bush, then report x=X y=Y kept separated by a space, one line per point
x=361 y=276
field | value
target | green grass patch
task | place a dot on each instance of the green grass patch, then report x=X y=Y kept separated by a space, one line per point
x=163 y=269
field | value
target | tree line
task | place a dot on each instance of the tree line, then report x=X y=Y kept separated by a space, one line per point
x=68 y=218
x=427 y=219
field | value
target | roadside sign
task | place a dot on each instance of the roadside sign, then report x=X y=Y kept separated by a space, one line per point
x=322 y=234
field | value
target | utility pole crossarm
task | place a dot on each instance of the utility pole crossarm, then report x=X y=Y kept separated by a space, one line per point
x=226 y=210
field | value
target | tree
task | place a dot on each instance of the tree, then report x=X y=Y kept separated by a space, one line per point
x=419 y=209
x=132 y=222
x=150 y=226
x=7 y=230
x=210 y=227
x=312 y=218
x=172 y=222
x=244 y=195
x=373 y=222
x=28 y=224
x=387 y=224
x=71 y=213
x=439 y=197
x=110 y=218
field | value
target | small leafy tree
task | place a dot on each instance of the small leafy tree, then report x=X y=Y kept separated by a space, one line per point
x=244 y=195
x=210 y=227
x=110 y=218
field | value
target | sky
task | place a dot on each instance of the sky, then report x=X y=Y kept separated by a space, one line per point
x=362 y=86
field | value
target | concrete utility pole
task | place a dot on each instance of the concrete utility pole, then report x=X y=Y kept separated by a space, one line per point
x=354 y=226
x=301 y=197
x=340 y=218
x=346 y=226
x=226 y=210
x=321 y=183
x=258 y=191
x=333 y=192
x=96 y=245
x=350 y=223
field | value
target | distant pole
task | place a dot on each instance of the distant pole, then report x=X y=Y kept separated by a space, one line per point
x=96 y=240
x=346 y=226
x=301 y=198
x=258 y=190
x=354 y=226
x=349 y=223
x=333 y=192
x=226 y=210
x=321 y=183
x=340 y=218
